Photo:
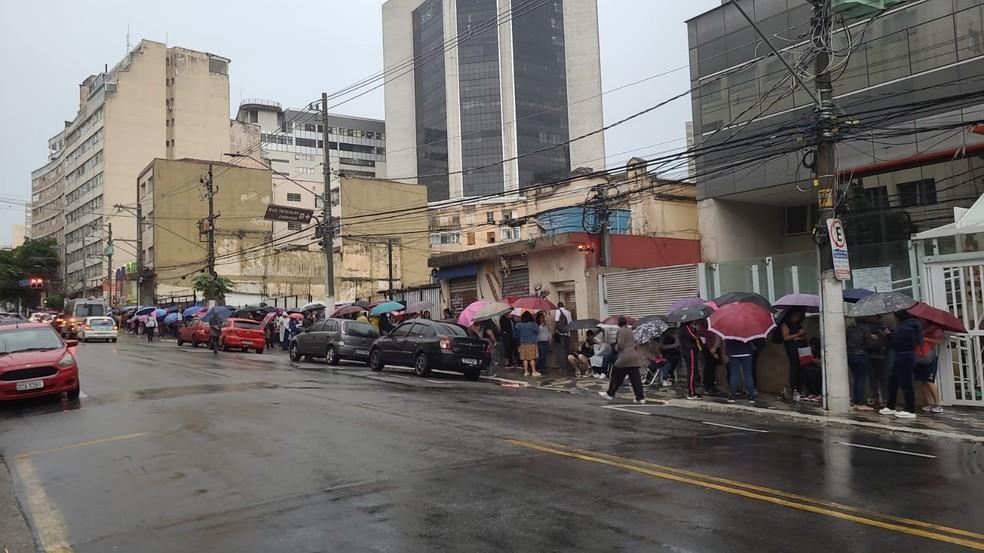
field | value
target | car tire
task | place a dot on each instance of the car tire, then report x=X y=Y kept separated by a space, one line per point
x=194 y=342
x=331 y=355
x=73 y=394
x=473 y=375
x=180 y=343
x=376 y=360
x=294 y=352
x=421 y=365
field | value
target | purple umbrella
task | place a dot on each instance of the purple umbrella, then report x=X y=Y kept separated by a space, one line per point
x=687 y=302
x=806 y=302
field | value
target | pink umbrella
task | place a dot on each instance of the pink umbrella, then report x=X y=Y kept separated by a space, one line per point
x=465 y=319
x=741 y=321
x=533 y=303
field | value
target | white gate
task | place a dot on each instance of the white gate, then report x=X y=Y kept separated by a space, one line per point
x=645 y=292
x=954 y=283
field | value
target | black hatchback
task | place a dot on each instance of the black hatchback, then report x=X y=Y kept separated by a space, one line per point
x=429 y=345
x=334 y=339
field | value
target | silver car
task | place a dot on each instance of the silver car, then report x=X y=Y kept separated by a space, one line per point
x=98 y=328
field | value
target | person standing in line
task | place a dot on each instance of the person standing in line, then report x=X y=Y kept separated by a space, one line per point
x=669 y=344
x=905 y=339
x=447 y=314
x=691 y=352
x=878 y=366
x=284 y=330
x=490 y=333
x=858 y=361
x=927 y=363
x=713 y=347
x=562 y=335
x=150 y=325
x=509 y=340
x=740 y=356
x=526 y=332
x=627 y=364
x=793 y=338
x=542 y=341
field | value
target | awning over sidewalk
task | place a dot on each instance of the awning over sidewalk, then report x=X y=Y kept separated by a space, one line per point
x=967 y=221
x=458 y=271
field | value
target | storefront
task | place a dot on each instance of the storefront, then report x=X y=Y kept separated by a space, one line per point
x=462 y=285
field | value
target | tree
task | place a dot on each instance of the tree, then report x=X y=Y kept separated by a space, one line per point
x=33 y=259
x=213 y=287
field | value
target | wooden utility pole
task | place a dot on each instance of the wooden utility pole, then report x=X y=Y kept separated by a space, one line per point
x=328 y=228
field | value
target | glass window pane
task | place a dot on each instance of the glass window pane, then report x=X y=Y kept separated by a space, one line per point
x=888 y=58
x=932 y=45
x=970 y=32
x=714 y=112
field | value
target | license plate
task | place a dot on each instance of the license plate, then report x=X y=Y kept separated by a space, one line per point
x=470 y=361
x=30 y=385
x=247 y=343
x=362 y=352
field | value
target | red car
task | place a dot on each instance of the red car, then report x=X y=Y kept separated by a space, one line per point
x=36 y=361
x=195 y=332
x=244 y=334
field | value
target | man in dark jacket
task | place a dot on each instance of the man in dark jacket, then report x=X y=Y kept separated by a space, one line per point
x=858 y=337
x=905 y=338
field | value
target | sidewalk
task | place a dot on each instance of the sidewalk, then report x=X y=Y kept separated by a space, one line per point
x=954 y=423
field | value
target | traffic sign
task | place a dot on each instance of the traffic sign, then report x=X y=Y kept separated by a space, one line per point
x=838 y=249
x=288 y=214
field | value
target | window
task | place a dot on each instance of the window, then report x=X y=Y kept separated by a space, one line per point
x=401 y=330
x=216 y=65
x=469 y=219
x=876 y=198
x=490 y=217
x=422 y=331
x=360 y=330
x=510 y=234
x=294 y=225
x=304 y=170
x=331 y=326
x=317 y=327
x=490 y=237
x=293 y=196
x=470 y=238
x=917 y=193
x=445 y=238
x=800 y=219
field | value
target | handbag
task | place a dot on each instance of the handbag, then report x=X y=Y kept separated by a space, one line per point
x=805 y=355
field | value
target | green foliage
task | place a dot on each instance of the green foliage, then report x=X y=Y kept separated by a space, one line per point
x=214 y=288
x=55 y=302
x=35 y=258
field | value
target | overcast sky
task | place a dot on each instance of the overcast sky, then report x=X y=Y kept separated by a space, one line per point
x=290 y=51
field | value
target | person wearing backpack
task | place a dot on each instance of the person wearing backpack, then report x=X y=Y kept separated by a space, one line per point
x=562 y=334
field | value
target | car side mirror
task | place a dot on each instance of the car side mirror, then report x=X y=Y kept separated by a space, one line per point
x=71 y=343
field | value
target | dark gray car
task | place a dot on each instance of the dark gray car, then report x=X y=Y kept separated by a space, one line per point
x=334 y=339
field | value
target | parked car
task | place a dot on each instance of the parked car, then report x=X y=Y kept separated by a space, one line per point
x=98 y=328
x=193 y=332
x=244 y=334
x=426 y=345
x=36 y=361
x=334 y=339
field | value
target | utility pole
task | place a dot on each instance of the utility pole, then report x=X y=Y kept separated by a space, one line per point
x=140 y=253
x=328 y=229
x=82 y=255
x=210 y=192
x=389 y=255
x=825 y=180
x=109 y=264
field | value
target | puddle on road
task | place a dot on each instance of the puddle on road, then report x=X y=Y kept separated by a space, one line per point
x=198 y=389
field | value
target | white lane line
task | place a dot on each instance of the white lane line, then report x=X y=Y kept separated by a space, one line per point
x=83 y=395
x=45 y=517
x=625 y=410
x=437 y=381
x=746 y=429
x=885 y=449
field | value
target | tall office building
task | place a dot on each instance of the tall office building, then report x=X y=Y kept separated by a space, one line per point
x=491 y=80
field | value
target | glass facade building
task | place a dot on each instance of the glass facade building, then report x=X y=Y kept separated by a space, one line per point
x=431 y=104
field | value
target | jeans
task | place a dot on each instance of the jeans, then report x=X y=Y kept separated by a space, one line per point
x=902 y=376
x=543 y=351
x=878 y=377
x=618 y=377
x=742 y=366
x=859 y=365
x=285 y=343
x=672 y=360
x=792 y=353
x=149 y=331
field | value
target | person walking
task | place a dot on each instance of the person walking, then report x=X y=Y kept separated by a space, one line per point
x=858 y=337
x=740 y=365
x=542 y=341
x=905 y=339
x=214 y=332
x=627 y=364
x=794 y=338
x=927 y=364
x=526 y=333
x=691 y=352
x=150 y=325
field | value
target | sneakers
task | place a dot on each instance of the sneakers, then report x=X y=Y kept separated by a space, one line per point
x=599 y=376
x=905 y=415
x=927 y=409
x=887 y=411
x=751 y=401
x=642 y=401
x=937 y=409
x=796 y=397
x=537 y=373
x=695 y=398
x=667 y=383
x=731 y=399
x=606 y=396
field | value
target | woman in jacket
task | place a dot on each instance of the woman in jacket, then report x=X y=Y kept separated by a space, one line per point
x=906 y=337
x=794 y=338
x=627 y=364
x=526 y=333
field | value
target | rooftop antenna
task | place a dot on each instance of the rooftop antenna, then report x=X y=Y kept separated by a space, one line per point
x=127 y=38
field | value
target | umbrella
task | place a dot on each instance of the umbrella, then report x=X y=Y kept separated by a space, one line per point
x=741 y=321
x=686 y=302
x=362 y=303
x=347 y=310
x=219 y=313
x=583 y=324
x=158 y=313
x=191 y=311
x=491 y=310
x=691 y=313
x=420 y=306
x=939 y=317
x=296 y=316
x=743 y=297
x=533 y=303
x=374 y=303
x=880 y=303
x=613 y=320
x=145 y=310
x=852 y=295
x=651 y=318
x=313 y=306
x=266 y=319
x=646 y=333
x=468 y=313
x=171 y=317
x=386 y=307
x=807 y=302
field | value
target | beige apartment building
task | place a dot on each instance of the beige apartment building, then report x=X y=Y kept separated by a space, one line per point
x=157 y=102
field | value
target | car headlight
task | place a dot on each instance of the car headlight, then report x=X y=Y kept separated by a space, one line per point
x=66 y=361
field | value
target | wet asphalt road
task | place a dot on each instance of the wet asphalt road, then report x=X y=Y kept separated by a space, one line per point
x=174 y=449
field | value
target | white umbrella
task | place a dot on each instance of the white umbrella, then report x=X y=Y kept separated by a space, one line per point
x=491 y=311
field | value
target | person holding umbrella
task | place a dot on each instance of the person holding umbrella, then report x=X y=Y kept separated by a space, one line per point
x=794 y=339
x=905 y=339
x=526 y=332
x=927 y=364
x=627 y=364
x=689 y=336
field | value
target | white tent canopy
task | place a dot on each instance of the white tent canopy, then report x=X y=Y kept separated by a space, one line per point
x=967 y=221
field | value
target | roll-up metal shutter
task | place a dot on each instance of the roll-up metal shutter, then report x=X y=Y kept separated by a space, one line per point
x=649 y=291
x=463 y=291
x=516 y=283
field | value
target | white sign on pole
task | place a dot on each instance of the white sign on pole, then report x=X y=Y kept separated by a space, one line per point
x=838 y=248
x=876 y=279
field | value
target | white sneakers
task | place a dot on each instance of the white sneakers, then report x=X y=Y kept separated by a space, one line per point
x=606 y=396
x=905 y=415
x=887 y=411
x=643 y=400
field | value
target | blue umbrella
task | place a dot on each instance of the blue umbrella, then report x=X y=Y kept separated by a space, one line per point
x=171 y=318
x=159 y=313
x=853 y=295
x=145 y=310
x=386 y=307
x=172 y=309
x=191 y=310
x=220 y=313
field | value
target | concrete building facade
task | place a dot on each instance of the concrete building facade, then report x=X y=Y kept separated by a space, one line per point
x=494 y=80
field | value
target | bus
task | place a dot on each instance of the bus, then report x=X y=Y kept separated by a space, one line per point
x=77 y=310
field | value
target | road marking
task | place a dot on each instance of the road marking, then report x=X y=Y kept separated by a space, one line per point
x=746 y=429
x=82 y=444
x=625 y=409
x=49 y=523
x=437 y=381
x=768 y=495
x=914 y=454
x=83 y=395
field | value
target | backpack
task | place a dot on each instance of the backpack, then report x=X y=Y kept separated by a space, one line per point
x=562 y=324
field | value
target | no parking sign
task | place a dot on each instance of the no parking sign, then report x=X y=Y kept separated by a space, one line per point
x=838 y=248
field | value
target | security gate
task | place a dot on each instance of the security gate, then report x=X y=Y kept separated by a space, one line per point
x=955 y=284
x=647 y=292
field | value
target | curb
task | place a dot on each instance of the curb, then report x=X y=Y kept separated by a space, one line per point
x=824 y=420
x=505 y=382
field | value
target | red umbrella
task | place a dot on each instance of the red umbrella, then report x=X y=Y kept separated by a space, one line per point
x=613 y=320
x=533 y=303
x=296 y=316
x=347 y=310
x=939 y=317
x=741 y=321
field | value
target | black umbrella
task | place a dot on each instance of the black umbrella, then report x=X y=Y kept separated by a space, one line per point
x=880 y=303
x=691 y=313
x=743 y=297
x=583 y=324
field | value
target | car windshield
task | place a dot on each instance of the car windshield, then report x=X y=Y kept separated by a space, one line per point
x=90 y=310
x=28 y=339
x=450 y=330
x=251 y=325
x=361 y=330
